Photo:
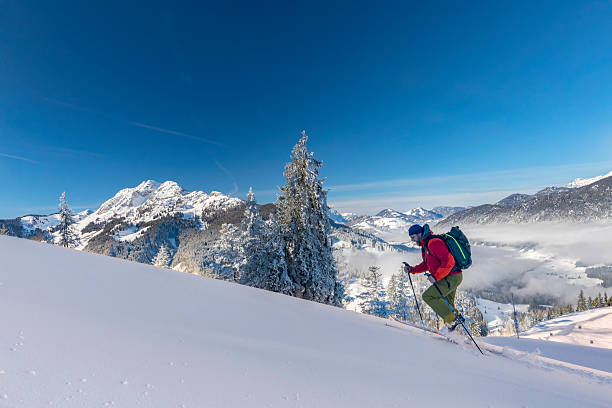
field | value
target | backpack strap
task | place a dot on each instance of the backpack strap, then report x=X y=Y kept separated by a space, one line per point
x=426 y=242
x=441 y=237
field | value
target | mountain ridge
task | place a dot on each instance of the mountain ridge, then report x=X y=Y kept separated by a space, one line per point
x=592 y=202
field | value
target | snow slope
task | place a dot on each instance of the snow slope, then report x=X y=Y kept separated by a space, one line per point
x=583 y=338
x=591 y=327
x=80 y=329
x=592 y=357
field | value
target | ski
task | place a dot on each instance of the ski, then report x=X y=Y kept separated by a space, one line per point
x=440 y=335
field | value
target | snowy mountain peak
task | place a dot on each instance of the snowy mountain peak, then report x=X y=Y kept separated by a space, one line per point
x=148 y=201
x=422 y=213
x=151 y=199
x=581 y=182
x=390 y=213
x=127 y=199
x=147 y=185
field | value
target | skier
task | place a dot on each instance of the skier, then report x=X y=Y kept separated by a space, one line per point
x=441 y=264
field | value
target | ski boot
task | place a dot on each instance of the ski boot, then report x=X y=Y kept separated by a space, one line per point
x=458 y=320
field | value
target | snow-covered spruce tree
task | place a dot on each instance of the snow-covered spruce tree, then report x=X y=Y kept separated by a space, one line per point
x=581 y=305
x=3 y=230
x=227 y=254
x=163 y=257
x=373 y=298
x=398 y=295
x=303 y=215
x=252 y=224
x=265 y=266
x=264 y=251
x=67 y=237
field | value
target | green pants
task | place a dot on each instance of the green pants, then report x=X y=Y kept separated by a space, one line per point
x=448 y=287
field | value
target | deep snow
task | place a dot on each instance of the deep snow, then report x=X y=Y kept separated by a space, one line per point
x=583 y=338
x=588 y=328
x=81 y=329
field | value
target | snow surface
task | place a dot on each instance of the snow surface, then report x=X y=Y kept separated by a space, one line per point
x=583 y=338
x=592 y=357
x=588 y=328
x=81 y=329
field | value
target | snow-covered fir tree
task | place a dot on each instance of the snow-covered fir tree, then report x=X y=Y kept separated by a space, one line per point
x=163 y=257
x=252 y=224
x=227 y=254
x=3 y=230
x=399 y=296
x=265 y=266
x=372 y=299
x=581 y=305
x=264 y=251
x=67 y=237
x=303 y=215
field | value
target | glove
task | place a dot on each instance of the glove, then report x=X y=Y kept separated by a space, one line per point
x=407 y=268
x=431 y=279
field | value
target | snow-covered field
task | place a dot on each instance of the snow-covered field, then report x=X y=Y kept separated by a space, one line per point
x=583 y=338
x=588 y=328
x=81 y=329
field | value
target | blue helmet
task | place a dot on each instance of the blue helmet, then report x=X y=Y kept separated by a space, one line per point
x=415 y=229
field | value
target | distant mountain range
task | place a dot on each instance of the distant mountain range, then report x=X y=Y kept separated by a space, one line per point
x=583 y=200
x=135 y=222
x=393 y=225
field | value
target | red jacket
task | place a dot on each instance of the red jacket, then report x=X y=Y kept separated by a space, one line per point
x=438 y=260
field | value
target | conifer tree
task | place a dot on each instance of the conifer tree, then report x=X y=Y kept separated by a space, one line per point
x=372 y=299
x=605 y=299
x=264 y=252
x=227 y=254
x=67 y=237
x=581 y=305
x=598 y=301
x=252 y=225
x=163 y=257
x=303 y=215
x=3 y=230
x=397 y=293
x=589 y=303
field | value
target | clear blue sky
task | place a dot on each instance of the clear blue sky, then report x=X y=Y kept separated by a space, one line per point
x=410 y=104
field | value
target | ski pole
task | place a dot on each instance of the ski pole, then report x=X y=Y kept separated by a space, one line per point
x=453 y=310
x=414 y=294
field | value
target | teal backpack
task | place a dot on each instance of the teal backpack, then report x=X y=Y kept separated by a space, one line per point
x=458 y=245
